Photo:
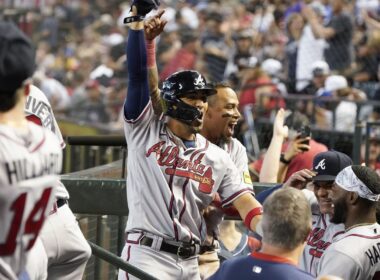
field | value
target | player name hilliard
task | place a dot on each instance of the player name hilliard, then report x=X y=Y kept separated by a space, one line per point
x=373 y=254
x=24 y=169
x=39 y=109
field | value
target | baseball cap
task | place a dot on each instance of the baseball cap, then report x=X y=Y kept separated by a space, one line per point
x=16 y=57
x=335 y=82
x=329 y=164
x=272 y=66
x=320 y=68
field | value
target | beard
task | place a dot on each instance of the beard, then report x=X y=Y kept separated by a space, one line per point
x=340 y=212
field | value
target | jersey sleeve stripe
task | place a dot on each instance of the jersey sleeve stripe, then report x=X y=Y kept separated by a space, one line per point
x=39 y=145
x=231 y=198
x=147 y=107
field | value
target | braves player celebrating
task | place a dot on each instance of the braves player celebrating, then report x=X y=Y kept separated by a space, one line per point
x=30 y=157
x=66 y=248
x=188 y=170
x=326 y=167
x=356 y=253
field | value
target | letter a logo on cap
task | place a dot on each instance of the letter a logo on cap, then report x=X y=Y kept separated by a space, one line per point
x=321 y=164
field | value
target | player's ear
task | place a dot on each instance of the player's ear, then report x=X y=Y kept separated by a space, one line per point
x=353 y=198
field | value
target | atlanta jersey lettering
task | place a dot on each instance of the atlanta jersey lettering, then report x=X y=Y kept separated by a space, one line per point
x=319 y=239
x=354 y=254
x=38 y=110
x=169 y=185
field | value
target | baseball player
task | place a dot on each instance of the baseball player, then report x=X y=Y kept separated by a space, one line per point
x=66 y=248
x=355 y=254
x=220 y=120
x=30 y=157
x=326 y=166
x=188 y=170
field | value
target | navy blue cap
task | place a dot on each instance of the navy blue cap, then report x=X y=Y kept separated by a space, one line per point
x=16 y=57
x=329 y=164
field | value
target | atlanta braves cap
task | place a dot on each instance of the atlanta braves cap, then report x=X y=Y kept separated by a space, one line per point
x=16 y=57
x=329 y=164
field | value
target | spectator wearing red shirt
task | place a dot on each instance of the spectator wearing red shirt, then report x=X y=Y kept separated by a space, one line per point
x=256 y=86
x=186 y=56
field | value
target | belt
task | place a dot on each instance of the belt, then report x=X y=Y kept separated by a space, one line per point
x=183 y=250
x=57 y=204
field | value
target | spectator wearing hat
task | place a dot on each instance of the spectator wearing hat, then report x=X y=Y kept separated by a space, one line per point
x=355 y=253
x=274 y=69
x=342 y=104
x=337 y=33
x=242 y=53
x=286 y=224
x=320 y=70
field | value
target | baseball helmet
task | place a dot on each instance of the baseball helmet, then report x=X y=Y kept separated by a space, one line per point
x=179 y=85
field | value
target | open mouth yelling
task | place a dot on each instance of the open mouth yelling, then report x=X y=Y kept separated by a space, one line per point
x=231 y=127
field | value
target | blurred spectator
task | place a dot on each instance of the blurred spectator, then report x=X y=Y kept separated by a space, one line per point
x=294 y=28
x=319 y=72
x=373 y=160
x=337 y=33
x=296 y=153
x=310 y=49
x=241 y=56
x=367 y=58
x=186 y=57
x=91 y=107
x=273 y=68
x=341 y=105
x=286 y=224
x=256 y=88
x=214 y=46
x=54 y=90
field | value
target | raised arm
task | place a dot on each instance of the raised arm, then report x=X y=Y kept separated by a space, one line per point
x=271 y=162
x=153 y=27
x=138 y=91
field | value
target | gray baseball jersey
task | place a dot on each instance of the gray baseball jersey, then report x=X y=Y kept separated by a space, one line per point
x=27 y=156
x=319 y=239
x=169 y=185
x=354 y=254
x=38 y=109
x=238 y=155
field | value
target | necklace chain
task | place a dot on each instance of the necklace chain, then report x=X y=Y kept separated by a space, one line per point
x=358 y=225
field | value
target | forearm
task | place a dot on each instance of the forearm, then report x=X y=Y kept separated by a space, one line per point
x=372 y=23
x=138 y=91
x=153 y=77
x=319 y=30
x=271 y=162
x=244 y=204
x=282 y=172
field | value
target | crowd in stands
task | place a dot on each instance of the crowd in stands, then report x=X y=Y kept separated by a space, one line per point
x=260 y=47
x=327 y=55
